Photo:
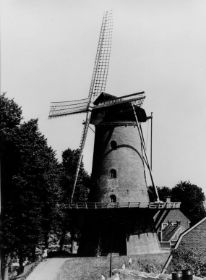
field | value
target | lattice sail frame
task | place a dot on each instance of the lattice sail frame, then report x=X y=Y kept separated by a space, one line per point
x=99 y=76
x=101 y=65
x=64 y=108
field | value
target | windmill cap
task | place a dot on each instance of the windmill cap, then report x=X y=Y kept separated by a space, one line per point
x=104 y=97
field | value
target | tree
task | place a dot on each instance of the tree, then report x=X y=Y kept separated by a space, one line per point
x=192 y=200
x=68 y=170
x=10 y=117
x=30 y=198
x=69 y=165
x=163 y=192
x=10 y=114
x=30 y=183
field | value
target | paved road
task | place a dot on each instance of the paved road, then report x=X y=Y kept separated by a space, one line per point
x=47 y=270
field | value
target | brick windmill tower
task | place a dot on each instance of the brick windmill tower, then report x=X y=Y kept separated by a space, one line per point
x=118 y=216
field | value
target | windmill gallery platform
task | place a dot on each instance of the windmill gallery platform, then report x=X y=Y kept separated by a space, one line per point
x=118 y=216
x=121 y=228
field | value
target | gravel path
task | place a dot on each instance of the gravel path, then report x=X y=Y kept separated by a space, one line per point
x=47 y=270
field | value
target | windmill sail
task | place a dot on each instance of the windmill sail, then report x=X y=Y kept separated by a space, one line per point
x=101 y=65
x=64 y=108
x=99 y=78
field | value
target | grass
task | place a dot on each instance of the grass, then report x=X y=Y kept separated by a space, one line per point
x=92 y=268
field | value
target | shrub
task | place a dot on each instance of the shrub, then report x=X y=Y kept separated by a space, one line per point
x=187 y=259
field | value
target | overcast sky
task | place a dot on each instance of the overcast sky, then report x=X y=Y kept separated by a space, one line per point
x=159 y=46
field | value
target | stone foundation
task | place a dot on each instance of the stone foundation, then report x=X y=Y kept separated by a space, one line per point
x=121 y=231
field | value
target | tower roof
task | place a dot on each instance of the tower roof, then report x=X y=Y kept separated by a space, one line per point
x=103 y=97
x=119 y=112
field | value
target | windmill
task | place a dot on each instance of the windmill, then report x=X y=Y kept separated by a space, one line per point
x=119 y=163
x=97 y=86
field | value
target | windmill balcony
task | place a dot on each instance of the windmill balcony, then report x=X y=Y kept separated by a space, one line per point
x=103 y=205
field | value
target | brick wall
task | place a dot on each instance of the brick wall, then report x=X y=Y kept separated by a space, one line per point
x=195 y=239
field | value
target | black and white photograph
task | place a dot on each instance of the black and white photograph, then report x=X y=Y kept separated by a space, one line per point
x=103 y=140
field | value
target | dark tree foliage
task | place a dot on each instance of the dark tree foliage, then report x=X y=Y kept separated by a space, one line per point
x=10 y=114
x=184 y=258
x=35 y=188
x=192 y=199
x=69 y=165
x=163 y=192
x=29 y=182
x=65 y=221
x=10 y=117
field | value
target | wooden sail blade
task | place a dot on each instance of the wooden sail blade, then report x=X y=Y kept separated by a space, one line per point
x=64 y=108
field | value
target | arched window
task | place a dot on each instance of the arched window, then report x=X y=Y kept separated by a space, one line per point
x=113 y=173
x=113 y=198
x=113 y=145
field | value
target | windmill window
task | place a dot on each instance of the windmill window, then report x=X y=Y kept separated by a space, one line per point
x=113 y=145
x=113 y=173
x=113 y=198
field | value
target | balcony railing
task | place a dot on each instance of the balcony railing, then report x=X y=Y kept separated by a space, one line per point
x=103 y=205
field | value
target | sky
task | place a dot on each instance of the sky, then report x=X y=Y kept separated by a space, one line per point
x=48 y=49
